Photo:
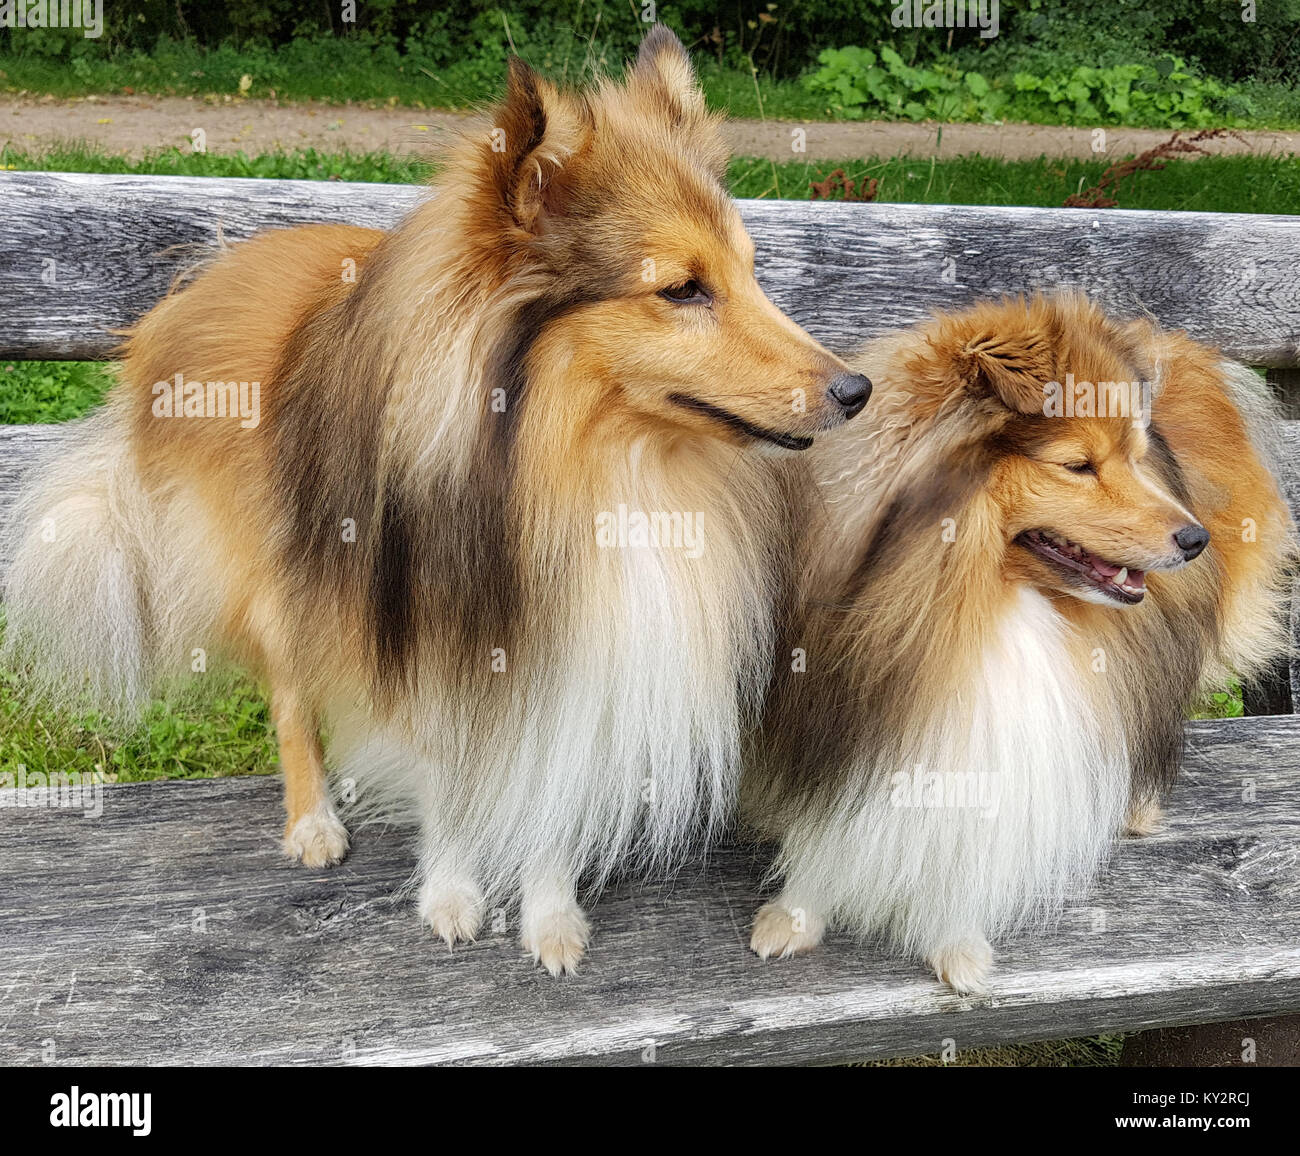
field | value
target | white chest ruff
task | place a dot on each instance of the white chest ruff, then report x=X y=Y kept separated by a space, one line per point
x=990 y=820
x=620 y=746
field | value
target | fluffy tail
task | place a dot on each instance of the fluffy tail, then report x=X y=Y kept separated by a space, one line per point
x=92 y=564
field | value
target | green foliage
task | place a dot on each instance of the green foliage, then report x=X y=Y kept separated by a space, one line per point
x=300 y=164
x=50 y=391
x=1165 y=94
x=1183 y=64
x=227 y=734
x=1225 y=703
x=1043 y=36
x=862 y=83
x=780 y=37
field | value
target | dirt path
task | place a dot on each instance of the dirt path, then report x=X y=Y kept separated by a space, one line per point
x=132 y=125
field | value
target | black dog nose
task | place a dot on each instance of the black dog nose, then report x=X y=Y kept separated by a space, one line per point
x=1191 y=540
x=851 y=390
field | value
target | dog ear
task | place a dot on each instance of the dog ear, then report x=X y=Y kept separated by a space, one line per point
x=663 y=74
x=535 y=131
x=1012 y=365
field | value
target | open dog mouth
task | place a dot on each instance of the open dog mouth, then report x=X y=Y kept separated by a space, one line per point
x=1117 y=582
x=739 y=424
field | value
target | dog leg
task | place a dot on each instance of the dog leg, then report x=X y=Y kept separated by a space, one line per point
x=1144 y=818
x=451 y=902
x=555 y=932
x=785 y=927
x=312 y=834
x=964 y=964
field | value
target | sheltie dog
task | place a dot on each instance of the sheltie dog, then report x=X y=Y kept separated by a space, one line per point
x=452 y=536
x=1050 y=532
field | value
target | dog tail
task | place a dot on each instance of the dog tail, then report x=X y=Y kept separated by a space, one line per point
x=94 y=569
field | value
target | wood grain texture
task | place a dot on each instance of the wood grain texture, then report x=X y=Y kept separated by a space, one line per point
x=846 y=272
x=170 y=930
x=1289 y=477
x=21 y=448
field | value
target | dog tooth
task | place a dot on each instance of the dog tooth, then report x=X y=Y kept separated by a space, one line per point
x=1121 y=577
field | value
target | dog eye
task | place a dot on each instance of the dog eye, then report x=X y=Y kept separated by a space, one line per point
x=1081 y=468
x=688 y=293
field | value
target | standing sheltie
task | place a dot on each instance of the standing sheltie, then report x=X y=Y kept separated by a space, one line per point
x=1050 y=532
x=499 y=526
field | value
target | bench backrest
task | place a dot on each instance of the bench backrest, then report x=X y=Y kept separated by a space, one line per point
x=83 y=255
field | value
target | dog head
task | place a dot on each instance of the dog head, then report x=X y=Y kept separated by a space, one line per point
x=1087 y=490
x=608 y=209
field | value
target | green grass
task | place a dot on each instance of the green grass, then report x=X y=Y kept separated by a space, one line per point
x=50 y=391
x=227 y=734
x=337 y=72
x=342 y=70
x=299 y=164
x=1230 y=184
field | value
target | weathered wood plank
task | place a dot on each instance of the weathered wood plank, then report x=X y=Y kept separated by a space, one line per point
x=1289 y=476
x=21 y=448
x=169 y=930
x=847 y=272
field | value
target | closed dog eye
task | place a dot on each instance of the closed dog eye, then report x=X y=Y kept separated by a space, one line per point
x=688 y=293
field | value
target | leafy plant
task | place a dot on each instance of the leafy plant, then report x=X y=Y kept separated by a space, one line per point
x=860 y=82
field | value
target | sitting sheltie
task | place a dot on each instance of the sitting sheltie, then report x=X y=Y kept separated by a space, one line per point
x=1050 y=532
x=500 y=527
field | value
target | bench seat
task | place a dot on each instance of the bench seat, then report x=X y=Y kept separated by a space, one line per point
x=101 y=951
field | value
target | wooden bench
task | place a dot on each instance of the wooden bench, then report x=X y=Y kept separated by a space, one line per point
x=170 y=929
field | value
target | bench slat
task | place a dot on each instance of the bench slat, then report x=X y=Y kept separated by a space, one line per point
x=170 y=930
x=847 y=272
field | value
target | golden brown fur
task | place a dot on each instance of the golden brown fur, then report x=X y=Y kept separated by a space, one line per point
x=927 y=615
x=404 y=545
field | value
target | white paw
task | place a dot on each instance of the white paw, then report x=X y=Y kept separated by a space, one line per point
x=318 y=839
x=557 y=939
x=782 y=932
x=454 y=910
x=964 y=966
x=1144 y=818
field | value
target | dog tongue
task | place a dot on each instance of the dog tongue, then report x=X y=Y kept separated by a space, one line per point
x=1136 y=579
x=1105 y=569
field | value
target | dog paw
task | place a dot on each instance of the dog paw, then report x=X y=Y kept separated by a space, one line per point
x=317 y=839
x=781 y=932
x=964 y=966
x=557 y=939
x=453 y=910
x=1144 y=818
